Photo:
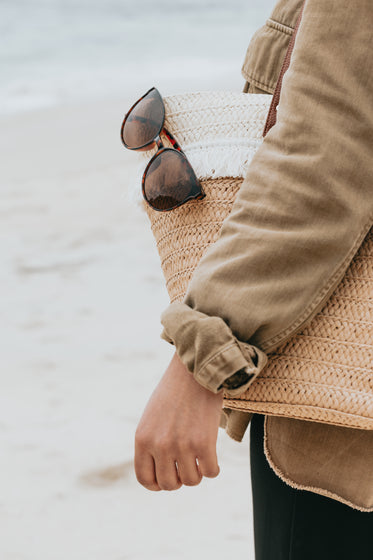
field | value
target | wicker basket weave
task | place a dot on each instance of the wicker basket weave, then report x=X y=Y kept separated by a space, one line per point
x=323 y=373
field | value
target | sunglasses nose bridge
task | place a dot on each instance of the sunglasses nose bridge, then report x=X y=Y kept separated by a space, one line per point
x=159 y=142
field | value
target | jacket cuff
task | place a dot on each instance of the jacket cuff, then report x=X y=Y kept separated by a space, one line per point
x=209 y=349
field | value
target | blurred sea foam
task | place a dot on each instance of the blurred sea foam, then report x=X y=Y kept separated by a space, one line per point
x=61 y=51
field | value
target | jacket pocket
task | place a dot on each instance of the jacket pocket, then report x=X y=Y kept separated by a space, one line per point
x=268 y=45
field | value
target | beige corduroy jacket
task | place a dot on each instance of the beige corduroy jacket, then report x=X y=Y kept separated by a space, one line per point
x=261 y=280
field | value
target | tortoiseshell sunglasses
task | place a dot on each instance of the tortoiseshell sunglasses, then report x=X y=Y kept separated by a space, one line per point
x=168 y=180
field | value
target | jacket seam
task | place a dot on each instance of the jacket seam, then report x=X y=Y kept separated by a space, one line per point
x=251 y=79
x=280 y=28
x=283 y=18
x=322 y=296
x=287 y=29
x=208 y=360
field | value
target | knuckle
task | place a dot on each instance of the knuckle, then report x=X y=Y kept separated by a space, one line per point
x=192 y=445
x=207 y=448
x=163 y=445
x=203 y=443
x=198 y=445
x=142 y=439
x=179 y=447
x=185 y=450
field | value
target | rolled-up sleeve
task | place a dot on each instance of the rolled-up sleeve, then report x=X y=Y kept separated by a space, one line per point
x=302 y=211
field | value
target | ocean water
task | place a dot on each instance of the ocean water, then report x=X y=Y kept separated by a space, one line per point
x=61 y=51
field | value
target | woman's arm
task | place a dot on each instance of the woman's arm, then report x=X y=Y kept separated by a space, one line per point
x=302 y=211
x=299 y=217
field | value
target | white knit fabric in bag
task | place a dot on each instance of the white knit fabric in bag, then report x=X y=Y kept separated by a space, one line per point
x=219 y=132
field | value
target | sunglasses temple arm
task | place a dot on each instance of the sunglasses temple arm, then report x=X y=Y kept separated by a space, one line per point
x=172 y=140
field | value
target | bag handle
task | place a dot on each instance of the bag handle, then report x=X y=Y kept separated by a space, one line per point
x=272 y=113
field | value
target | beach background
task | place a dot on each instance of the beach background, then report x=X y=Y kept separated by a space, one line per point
x=81 y=284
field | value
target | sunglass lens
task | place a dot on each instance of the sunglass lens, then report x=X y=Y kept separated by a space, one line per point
x=145 y=121
x=169 y=180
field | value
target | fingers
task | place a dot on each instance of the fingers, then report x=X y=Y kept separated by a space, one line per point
x=208 y=463
x=189 y=473
x=145 y=468
x=166 y=473
x=155 y=474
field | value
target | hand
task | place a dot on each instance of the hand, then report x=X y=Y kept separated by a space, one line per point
x=180 y=423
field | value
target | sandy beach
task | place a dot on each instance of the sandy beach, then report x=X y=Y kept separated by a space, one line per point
x=82 y=292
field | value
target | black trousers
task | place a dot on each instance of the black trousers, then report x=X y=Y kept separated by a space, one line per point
x=292 y=524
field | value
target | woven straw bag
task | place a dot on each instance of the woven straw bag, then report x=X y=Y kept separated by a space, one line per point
x=323 y=373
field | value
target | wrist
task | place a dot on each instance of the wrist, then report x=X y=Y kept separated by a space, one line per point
x=178 y=368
